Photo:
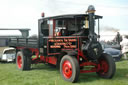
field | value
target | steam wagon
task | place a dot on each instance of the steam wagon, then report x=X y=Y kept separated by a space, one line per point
x=69 y=42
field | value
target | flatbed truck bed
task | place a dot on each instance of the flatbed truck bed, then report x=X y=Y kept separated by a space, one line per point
x=23 y=42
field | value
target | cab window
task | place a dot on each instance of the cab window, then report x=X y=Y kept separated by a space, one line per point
x=44 y=28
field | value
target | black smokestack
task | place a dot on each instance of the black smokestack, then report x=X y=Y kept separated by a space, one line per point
x=91 y=13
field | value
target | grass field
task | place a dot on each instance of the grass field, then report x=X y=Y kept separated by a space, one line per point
x=41 y=74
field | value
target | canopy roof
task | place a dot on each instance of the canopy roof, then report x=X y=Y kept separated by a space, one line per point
x=71 y=16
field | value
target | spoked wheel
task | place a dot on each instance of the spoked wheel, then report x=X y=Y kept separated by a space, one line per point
x=107 y=66
x=23 y=62
x=69 y=68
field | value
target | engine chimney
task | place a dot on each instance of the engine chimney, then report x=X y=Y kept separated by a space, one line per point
x=91 y=13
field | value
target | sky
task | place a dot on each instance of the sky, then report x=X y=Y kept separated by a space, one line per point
x=25 y=13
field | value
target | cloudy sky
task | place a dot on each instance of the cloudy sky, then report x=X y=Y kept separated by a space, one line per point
x=25 y=13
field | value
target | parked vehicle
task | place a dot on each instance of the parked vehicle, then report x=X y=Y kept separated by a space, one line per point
x=115 y=53
x=8 y=55
x=69 y=42
x=112 y=50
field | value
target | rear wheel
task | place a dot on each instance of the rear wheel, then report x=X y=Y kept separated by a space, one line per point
x=107 y=66
x=23 y=62
x=69 y=68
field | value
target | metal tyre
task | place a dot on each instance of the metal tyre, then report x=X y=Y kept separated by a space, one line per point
x=23 y=62
x=69 y=68
x=107 y=66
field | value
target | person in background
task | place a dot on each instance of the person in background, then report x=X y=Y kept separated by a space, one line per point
x=124 y=46
x=118 y=38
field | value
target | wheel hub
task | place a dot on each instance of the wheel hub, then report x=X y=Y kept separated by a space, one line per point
x=67 y=69
x=19 y=61
x=104 y=67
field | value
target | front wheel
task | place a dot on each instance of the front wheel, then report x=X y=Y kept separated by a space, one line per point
x=69 y=68
x=107 y=66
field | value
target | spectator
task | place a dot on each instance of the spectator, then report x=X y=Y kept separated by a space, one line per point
x=124 y=46
x=118 y=38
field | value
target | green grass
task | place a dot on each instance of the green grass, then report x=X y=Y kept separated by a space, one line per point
x=46 y=75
